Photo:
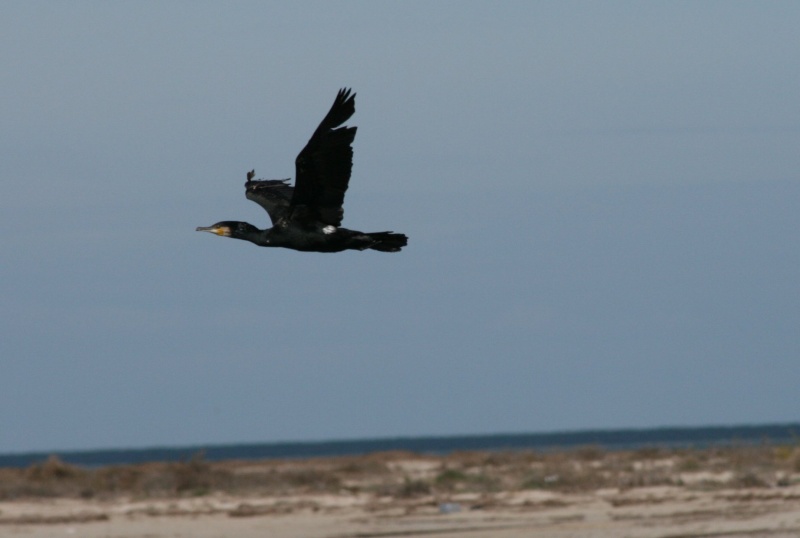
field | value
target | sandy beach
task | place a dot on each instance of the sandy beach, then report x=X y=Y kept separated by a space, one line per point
x=584 y=493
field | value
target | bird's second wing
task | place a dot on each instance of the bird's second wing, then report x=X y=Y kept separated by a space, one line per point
x=274 y=195
x=323 y=167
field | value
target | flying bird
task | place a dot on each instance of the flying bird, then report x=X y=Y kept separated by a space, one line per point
x=308 y=216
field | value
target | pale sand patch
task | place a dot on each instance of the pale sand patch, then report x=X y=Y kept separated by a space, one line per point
x=416 y=468
x=706 y=477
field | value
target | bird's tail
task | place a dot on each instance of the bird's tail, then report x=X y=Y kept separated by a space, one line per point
x=387 y=241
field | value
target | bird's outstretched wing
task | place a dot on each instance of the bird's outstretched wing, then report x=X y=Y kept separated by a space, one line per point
x=274 y=195
x=323 y=167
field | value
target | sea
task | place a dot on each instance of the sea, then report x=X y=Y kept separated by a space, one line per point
x=618 y=439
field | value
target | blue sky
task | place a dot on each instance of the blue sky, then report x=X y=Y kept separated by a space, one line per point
x=601 y=200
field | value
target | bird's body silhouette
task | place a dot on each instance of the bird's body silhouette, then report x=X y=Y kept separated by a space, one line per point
x=308 y=216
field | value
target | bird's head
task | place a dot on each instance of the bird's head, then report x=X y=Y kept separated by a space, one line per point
x=230 y=228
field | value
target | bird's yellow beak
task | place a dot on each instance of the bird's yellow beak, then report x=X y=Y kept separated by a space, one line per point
x=223 y=231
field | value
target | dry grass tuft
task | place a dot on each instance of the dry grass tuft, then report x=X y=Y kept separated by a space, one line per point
x=52 y=470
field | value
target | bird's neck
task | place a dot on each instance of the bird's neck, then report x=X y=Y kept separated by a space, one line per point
x=248 y=232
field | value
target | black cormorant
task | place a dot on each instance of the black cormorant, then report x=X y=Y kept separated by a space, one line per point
x=307 y=216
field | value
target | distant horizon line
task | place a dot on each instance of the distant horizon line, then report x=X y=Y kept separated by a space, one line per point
x=543 y=435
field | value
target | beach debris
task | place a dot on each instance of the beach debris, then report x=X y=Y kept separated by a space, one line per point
x=449 y=508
